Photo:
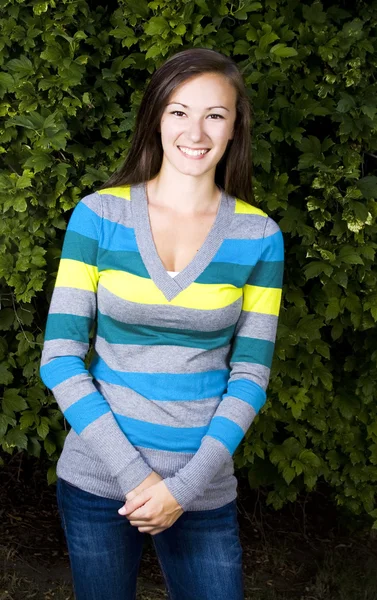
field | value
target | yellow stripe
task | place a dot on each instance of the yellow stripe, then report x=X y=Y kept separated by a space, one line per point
x=76 y=274
x=262 y=300
x=123 y=191
x=141 y=290
x=246 y=208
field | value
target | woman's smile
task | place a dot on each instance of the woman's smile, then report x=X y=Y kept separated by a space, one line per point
x=192 y=153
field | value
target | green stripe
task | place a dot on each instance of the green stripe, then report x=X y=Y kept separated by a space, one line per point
x=67 y=327
x=122 y=260
x=221 y=272
x=116 y=332
x=267 y=274
x=79 y=247
x=252 y=350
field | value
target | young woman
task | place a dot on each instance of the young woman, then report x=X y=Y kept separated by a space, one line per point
x=182 y=276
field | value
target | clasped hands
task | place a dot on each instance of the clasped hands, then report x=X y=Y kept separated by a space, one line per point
x=150 y=506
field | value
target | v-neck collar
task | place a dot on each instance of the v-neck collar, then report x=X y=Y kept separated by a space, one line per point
x=172 y=286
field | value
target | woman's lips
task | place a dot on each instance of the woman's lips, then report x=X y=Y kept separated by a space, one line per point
x=193 y=157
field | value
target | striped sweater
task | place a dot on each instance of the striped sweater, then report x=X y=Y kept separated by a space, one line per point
x=180 y=364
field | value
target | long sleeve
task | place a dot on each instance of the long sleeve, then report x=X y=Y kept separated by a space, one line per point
x=71 y=316
x=250 y=362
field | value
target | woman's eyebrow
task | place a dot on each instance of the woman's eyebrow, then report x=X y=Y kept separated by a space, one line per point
x=209 y=108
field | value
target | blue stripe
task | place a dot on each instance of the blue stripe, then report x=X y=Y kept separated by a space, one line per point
x=220 y=273
x=60 y=369
x=226 y=431
x=161 y=437
x=252 y=350
x=114 y=236
x=84 y=221
x=117 y=237
x=164 y=386
x=116 y=332
x=273 y=250
x=130 y=262
x=86 y=410
x=79 y=247
x=267 y=274
x=69 y=327
x=248 y=391
x=241 y=252
x=247 y=252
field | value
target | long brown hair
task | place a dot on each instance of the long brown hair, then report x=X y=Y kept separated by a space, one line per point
x=144 y=159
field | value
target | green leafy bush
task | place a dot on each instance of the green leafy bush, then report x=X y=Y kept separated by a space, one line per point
x=72 y=78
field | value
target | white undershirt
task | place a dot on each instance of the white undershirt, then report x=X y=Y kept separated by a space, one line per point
x=173 y=273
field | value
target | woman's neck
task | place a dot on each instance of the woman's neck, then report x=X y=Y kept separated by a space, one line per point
x=183 y=193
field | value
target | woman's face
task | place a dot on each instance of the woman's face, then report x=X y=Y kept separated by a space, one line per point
x=197 y=123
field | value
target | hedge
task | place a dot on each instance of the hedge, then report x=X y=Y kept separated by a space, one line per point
x=72 y=77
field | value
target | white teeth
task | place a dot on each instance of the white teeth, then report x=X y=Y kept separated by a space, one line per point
x=193 y=152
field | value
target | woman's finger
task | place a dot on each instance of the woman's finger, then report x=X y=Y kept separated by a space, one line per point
x=151 y=530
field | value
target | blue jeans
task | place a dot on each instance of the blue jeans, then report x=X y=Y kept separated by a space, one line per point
x=200 y=555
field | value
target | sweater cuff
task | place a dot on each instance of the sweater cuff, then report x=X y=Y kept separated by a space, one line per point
x=192 y=480
x=133 y=474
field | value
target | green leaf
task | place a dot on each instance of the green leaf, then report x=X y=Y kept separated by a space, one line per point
x=315 y=268
x=267 y=39
x=346 y=103
x=349 y=255
x=43 y=428
x=49 y=446
x=139 y=7
x=333 y=309
x=6 y=377
x=51 y=475
x=156 y=26
x=19 y=204
x=7 y=318
x=15 y=438
x=288 y=474
x=277 y=455
x=153 y=51
x=34 y=447
x=283 y=51
x=298 y=466
x=368 y=186
x=309 y=458
x=5 y=420
x=241 y=47
x=27 y=419
x=12 y=401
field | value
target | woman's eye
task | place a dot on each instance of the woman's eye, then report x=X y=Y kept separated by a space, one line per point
x=179 y=113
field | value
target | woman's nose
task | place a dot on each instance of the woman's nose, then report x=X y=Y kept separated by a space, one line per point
x=196 y=130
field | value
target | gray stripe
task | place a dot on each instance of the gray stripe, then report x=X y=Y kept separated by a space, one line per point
x=67 y=301
x=61 y=347
x=243 y=370
x=239 y=411
x=128 y=403
x=117 y=210
x=257 y=325
x=160 y=359
x=246 y=227
x=94 y=202
x=126 y=465
x=73 y=389
x=167 y=316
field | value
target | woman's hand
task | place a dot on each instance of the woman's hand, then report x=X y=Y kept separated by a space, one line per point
x=146 y=483
x=152 y=510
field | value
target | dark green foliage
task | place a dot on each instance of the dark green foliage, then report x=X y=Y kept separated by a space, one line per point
x=72 y=77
